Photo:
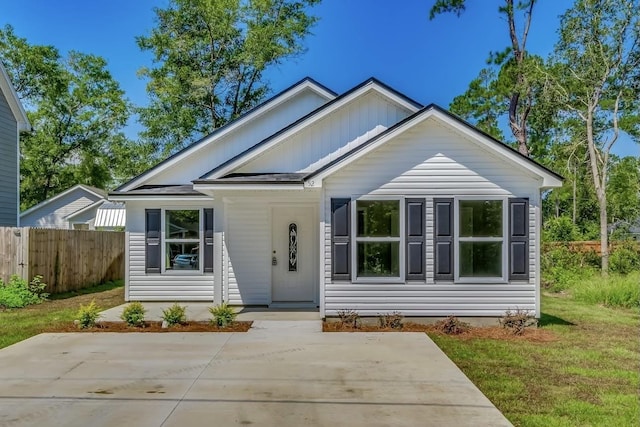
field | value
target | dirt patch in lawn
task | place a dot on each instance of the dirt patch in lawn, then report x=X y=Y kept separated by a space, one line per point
x=154 y=327
x=491 y=332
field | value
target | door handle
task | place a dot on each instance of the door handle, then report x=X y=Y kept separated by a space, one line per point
x=274 y=260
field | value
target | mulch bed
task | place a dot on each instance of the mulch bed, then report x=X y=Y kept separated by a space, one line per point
x=489 y=332
x=155 y=327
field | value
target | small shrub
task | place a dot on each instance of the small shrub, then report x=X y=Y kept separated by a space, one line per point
x=88 y=315
x=19 y=293
x=174 y=315
x=517 y=321
x=349 y=318
x=624 y=259
x=133 y=314
x=391 y=320
x=223 y=315
x=560 y=229
x=562 y=267
x=452 y=326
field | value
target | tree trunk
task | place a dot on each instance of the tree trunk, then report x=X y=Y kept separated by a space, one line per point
x=599 y=181
x=575 y=204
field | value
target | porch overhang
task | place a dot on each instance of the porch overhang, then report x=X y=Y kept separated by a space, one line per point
x=252 y=181
x=159 y=193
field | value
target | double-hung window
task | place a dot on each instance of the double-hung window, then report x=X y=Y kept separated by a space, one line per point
x=182 y=239
x=378 y=231
x=481 y=243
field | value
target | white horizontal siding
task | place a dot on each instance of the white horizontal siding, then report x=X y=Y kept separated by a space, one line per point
x=170 y=286
x=429 y=299
x=247 y=241
x=325 y=140
x=431 y=161
x=218 y=151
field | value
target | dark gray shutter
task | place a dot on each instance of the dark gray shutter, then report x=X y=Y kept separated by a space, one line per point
x=518 y=239
x=208 y=241
x=415 y=253
x=443 y=239
x=153 y=252
x=340 y=239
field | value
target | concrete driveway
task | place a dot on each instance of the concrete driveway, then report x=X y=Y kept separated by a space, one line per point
x=278 y=374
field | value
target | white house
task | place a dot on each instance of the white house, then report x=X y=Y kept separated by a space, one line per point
x=365 y=201
x=13 y=120
x=81 y=207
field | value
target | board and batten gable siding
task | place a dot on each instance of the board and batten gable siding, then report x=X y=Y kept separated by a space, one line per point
x=323 y=141
x=171 y=286
x=247 y=242
x=208 y=157
x=8 y=165
x=432 y=161
x=52 y=215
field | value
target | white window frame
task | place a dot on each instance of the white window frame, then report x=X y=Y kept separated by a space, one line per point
x=457 y=239
x=354 y=239
x=199 y=240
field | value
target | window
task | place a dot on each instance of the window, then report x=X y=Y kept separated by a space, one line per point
x=377 y=238
x=480 y=238
x=182 y=240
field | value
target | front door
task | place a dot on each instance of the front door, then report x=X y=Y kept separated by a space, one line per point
x=293 y=254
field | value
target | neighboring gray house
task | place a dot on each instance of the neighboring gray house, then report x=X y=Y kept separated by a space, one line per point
x=75 y=209
x=365 y=200
x=13 y=120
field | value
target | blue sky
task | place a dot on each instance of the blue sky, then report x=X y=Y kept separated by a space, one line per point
x=430 y=61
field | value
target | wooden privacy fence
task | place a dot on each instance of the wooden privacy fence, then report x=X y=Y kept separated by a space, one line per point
x=66 y=259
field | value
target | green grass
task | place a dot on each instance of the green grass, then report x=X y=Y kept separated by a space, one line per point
x=19 y=324
x=590 y=376
x=615 y=291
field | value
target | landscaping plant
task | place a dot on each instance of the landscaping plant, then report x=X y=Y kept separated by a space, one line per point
x=133 y=314
x=20 y=293
x=223 y=315
x=174 y=315
x=452 y=326
x=517 y=321
x=88 y=315
x=349 y=318
x=391 y=320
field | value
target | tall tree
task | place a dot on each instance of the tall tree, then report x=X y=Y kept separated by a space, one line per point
x=209 y=59
x=77 y=111
x=484 y=100
x=595 y=76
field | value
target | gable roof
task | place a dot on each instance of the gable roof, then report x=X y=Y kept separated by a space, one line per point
x=93 y=190
x=277 y=99
x=272 y=140
x=550 y=178
x=14 y=102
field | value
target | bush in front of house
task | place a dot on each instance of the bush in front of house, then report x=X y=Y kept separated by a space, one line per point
x=452 y=326
x=349 y=318
x=18 y=293
x=175 y=315
x=391 y=320
x=517 y=321
x=133 y=314
x=222 y=315
x=88 y=315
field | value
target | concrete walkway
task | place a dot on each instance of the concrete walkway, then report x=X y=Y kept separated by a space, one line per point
x=280 y=373
x=199 y=311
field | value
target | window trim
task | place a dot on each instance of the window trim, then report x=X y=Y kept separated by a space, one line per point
x=401 y=239
x=457 y=239
x=164 y=241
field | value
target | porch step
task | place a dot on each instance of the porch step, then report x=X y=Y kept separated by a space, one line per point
x=286 y=326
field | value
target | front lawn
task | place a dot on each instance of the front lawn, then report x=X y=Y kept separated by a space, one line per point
x=20 y=324
x=589 y=376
